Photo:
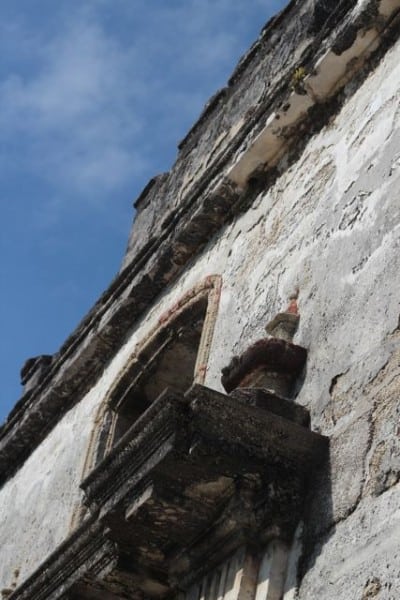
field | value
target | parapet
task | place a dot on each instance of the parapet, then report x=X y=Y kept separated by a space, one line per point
x=300 y=60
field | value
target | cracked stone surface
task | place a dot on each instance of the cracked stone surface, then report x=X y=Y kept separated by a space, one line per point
x=329 y=225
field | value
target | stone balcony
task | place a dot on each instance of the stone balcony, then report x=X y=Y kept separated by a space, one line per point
x=197 y=476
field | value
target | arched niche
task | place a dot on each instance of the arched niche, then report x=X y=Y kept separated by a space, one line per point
x=173 y=354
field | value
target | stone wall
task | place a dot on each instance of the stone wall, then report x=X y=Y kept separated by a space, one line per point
x=330 y=226
x=37 y=504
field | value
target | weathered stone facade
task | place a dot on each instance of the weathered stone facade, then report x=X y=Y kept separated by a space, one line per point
x=128 y=470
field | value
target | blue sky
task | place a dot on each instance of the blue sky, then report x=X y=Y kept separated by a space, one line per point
x=94 y=97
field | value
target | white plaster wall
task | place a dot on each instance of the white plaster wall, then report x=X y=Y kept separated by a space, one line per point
x=331 y=226
x=36 y=504
x=361 y=559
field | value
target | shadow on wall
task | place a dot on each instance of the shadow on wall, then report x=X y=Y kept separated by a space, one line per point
x=318 y=522
x=318 y=517
x=269 y=375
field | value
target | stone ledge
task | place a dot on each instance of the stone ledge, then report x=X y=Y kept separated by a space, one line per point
x=87 y=551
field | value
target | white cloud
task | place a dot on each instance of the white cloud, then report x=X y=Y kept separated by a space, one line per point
x=86 y=106
x=73 y=110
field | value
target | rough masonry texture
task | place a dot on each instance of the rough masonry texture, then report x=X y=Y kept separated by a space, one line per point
x=173 y=448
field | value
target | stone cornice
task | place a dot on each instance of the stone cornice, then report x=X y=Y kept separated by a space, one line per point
x=87 y=551
x=154 y=432
x=224 y=189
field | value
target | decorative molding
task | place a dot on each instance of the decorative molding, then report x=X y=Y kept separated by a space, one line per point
x=174 y=473
x=203 y=354
x=208 y=289
x=87 y=551
x=153 y=433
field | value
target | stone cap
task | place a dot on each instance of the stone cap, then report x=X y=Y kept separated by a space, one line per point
x=283 y=326
x=273 y=354
x=33 y=369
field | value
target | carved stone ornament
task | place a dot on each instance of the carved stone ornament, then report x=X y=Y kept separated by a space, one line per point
x=284 y=325
x=269 y=363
